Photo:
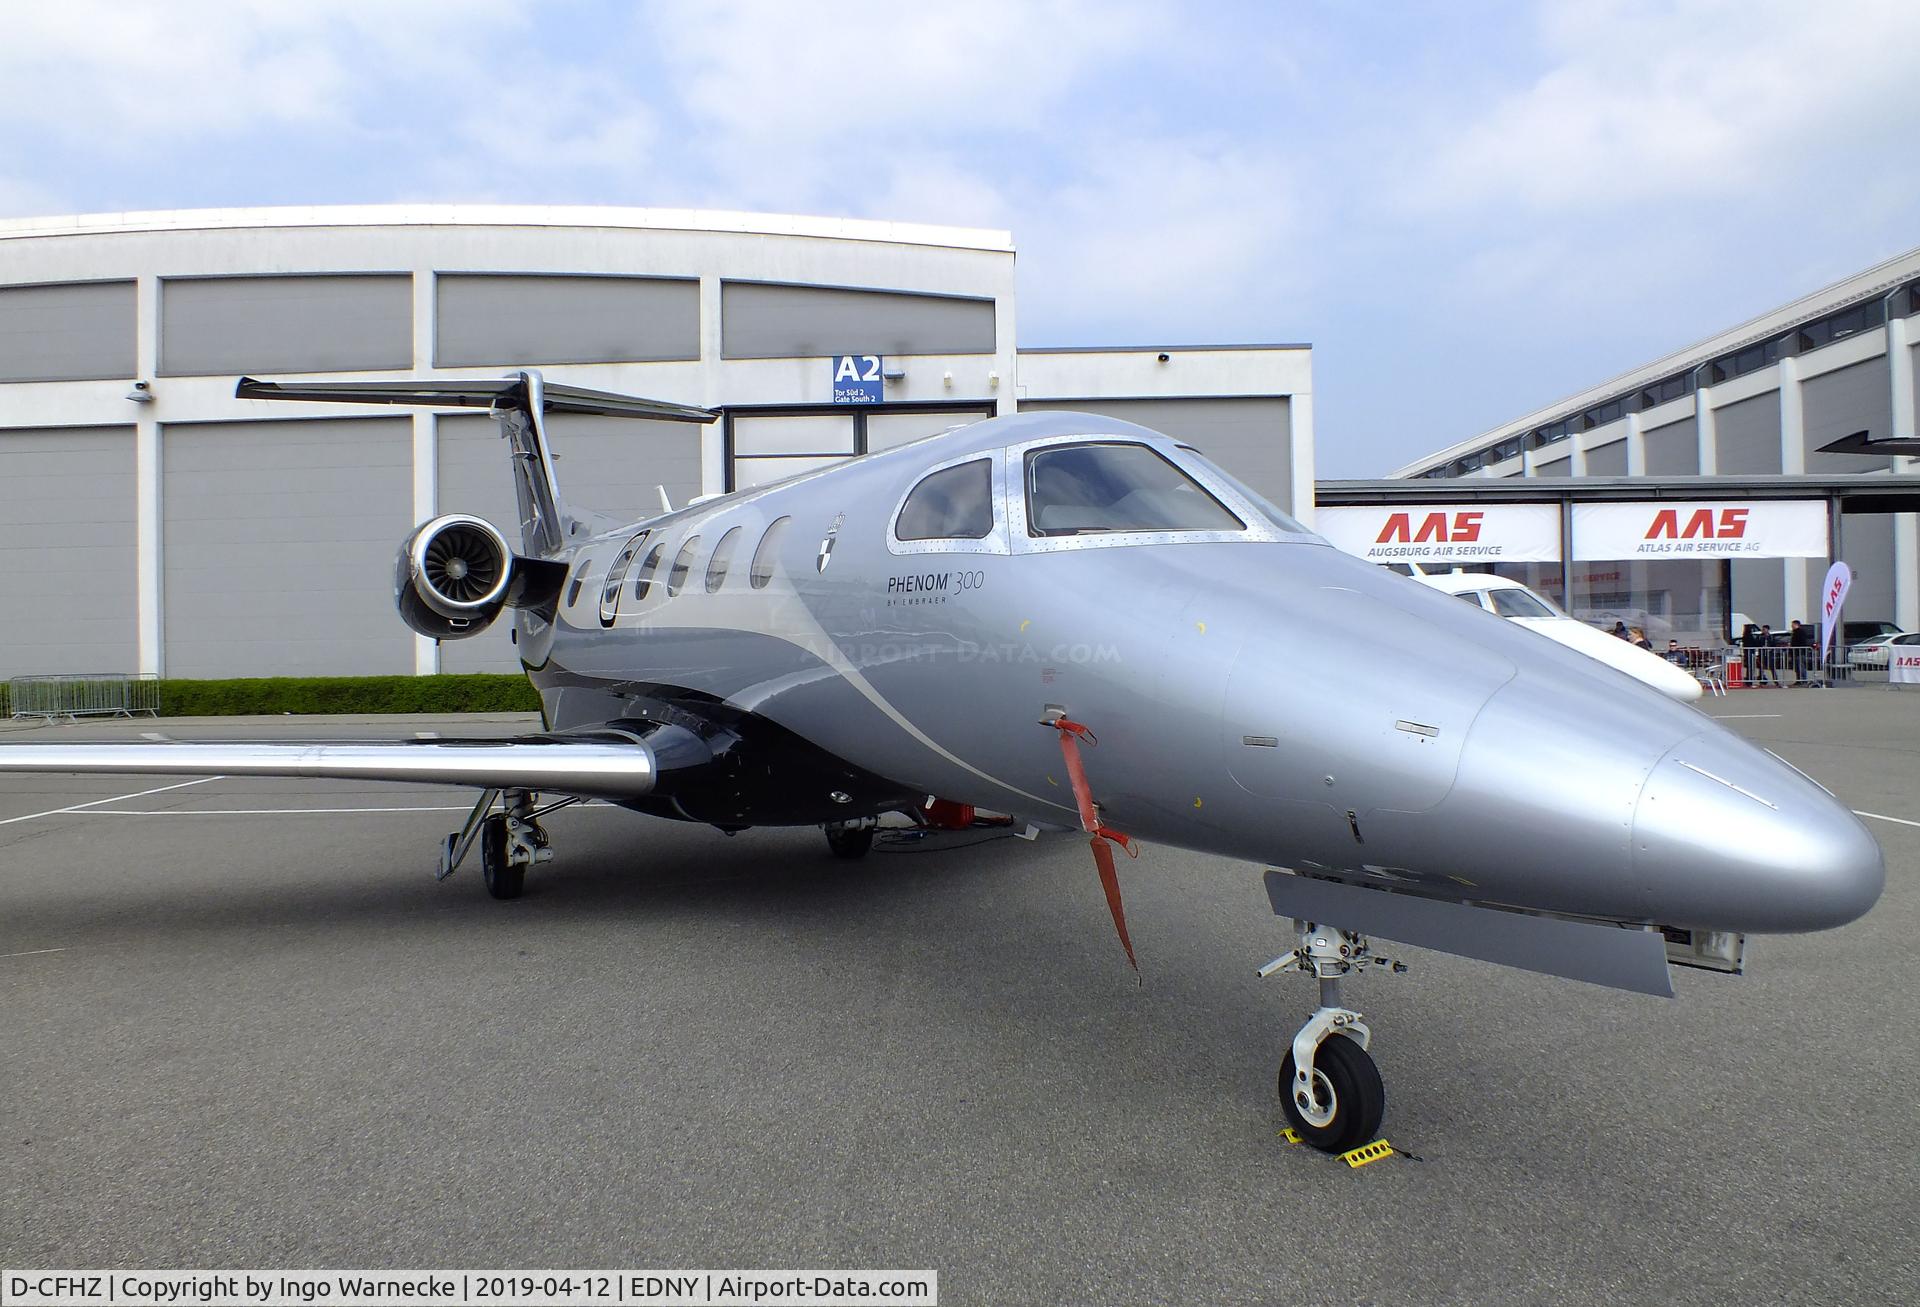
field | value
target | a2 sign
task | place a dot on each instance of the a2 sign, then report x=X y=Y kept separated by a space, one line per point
x=857 y=378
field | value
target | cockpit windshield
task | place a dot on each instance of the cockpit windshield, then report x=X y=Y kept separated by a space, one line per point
x=1271 y=511
x=1519 y=603
x=1098 y=487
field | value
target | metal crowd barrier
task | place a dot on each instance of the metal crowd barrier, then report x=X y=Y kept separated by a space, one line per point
x=87 y=694
x=1777 y=666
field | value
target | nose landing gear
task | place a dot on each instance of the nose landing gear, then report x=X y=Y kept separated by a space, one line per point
x=1329 y=1087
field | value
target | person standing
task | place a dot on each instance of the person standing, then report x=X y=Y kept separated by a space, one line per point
x=1750 y=652
x=1800 y=641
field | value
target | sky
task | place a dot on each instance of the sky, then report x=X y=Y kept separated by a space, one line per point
x=1469 y=210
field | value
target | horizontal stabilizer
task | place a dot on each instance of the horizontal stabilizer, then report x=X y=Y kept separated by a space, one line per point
x=507 y=392
x=601 y=769
x=1620 y=957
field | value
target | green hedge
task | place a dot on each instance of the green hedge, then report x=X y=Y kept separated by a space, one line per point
x=341 y=694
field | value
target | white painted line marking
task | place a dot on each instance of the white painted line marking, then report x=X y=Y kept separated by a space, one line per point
x=155 y=735
x=32 y=953
x=1737 y=716
x=1883 y=817
x=81 y=807
x=253 y=812
x=426 y=735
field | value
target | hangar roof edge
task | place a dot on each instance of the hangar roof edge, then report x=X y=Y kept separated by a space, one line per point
x=1883 y=276
x=1857 y=492
x=513 y=215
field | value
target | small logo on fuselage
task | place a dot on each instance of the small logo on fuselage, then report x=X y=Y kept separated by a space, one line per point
x=826 y=542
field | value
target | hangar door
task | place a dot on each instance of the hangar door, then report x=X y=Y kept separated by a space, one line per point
x=67 y=570
x=278 y=547
x=609 y=465
x=768 y=444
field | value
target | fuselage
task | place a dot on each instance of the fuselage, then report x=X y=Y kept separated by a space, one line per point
x=1254 y=692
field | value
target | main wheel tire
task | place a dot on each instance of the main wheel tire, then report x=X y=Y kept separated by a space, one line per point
x=1342 y=1071
x=503 y=881
x=850 y=842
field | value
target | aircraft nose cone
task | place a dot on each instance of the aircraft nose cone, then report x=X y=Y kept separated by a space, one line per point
x=1726 y=836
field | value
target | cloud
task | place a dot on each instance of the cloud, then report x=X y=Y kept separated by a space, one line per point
x=1176 y=237
x=1704 y=98
x=121 y=77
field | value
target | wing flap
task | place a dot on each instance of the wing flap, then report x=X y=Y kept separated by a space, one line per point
x=602 y=769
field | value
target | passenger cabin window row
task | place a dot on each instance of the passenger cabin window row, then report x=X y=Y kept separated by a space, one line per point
x=719 y=566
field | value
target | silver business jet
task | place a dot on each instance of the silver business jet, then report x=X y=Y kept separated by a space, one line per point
x=1083 y=625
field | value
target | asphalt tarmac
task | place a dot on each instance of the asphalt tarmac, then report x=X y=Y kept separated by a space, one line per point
x=242 y=1026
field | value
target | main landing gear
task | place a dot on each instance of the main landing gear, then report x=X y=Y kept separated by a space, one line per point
x=852 y=839
x=1329 y=1087
x=510 y=841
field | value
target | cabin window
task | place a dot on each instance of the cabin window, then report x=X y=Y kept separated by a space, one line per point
x=722 y=559
x=767 y=555
x=1473 y=597
x=1085 y=489
x=644 y=581
x=617 y=577
x=682 y=564
x=955 y=503
x=1518 y=603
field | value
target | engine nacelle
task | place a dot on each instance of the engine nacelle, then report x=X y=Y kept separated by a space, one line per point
x=453 y=577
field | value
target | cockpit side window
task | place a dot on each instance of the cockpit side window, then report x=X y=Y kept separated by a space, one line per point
x=1082 y=489
x=955 y=503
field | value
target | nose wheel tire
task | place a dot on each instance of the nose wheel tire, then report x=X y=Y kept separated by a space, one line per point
x=849 y=840
x=1345 y=1078
x=504 y=880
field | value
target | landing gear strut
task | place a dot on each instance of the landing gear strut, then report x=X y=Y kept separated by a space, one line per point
x=510 y=841
x=1329 y=1087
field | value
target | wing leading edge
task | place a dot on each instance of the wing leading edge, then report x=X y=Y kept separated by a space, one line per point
x=621 y=768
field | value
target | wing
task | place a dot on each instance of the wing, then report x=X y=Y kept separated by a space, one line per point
x=608 y=766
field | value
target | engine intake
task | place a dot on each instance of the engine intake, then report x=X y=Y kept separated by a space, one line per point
x=452 y=577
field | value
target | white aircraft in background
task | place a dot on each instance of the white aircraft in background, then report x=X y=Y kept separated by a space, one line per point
x=1510 y=599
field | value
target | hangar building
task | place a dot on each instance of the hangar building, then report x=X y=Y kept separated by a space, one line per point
x=1820 y=388
x=151 y=522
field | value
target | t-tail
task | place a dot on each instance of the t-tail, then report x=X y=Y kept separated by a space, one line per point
x=456 y=573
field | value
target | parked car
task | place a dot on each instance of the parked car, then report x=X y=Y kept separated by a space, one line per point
x=1852 y=633
x=1874 y=653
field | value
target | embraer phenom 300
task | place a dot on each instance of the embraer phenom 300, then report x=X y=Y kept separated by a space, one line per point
x=1086 y=625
